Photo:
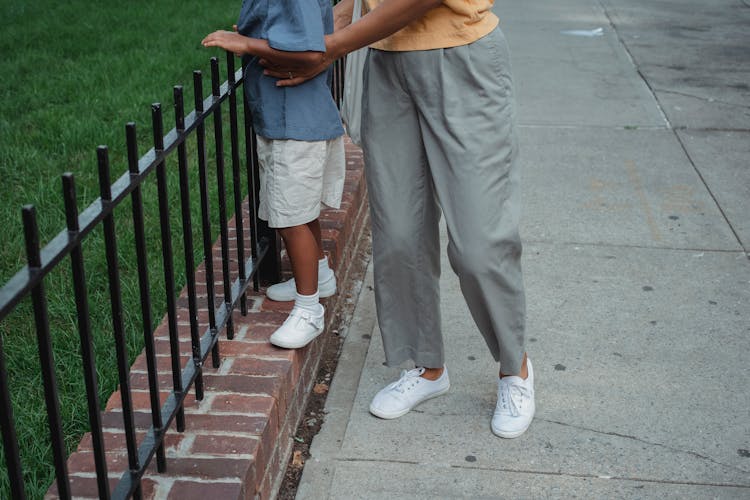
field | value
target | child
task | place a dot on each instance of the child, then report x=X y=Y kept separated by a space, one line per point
x=300 y=148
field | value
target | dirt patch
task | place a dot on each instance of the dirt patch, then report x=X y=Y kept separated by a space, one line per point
x=314 y=415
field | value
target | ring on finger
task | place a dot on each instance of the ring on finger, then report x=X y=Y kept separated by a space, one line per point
x=291 y=76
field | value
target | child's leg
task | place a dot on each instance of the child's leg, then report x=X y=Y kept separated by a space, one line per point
x=306 y=320
x=326 y=277
x=303 y=251
x=314 y=227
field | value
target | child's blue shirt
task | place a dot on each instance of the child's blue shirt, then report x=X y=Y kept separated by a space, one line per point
x=305 y=112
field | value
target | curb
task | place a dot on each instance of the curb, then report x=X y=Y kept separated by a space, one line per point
x=238 y=439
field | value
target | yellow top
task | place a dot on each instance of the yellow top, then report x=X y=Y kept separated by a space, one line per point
x=456 y=22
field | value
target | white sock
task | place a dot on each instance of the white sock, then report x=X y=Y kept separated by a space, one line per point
x=309 y=303
x=324 y=272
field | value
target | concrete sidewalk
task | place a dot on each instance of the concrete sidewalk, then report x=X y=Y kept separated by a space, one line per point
x=635 y=150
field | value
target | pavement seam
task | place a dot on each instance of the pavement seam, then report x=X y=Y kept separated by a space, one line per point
x=576 y=126
x=685 y=128
x=530 y=241
x=635 y=65
x=320 y=469
x=710 y=192
x=546 y=473
x=706 y=99
x=626 y=436
x=636 y=438
x=356 y=350
x=669 y=124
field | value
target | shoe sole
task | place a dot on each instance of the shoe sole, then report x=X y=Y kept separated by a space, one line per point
x=322 y=292
x=510 y=435
x=294 y=345
x=391 y=416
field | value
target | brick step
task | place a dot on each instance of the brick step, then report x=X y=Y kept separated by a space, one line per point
x=238 y=439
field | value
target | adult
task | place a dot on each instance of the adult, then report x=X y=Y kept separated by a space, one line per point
x=438 y=131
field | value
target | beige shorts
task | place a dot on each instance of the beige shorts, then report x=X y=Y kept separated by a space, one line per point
x=296 y=177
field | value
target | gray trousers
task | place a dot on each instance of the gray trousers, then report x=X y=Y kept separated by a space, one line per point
x=438 y=131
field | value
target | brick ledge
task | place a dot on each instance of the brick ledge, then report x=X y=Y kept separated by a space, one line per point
x=238 y=439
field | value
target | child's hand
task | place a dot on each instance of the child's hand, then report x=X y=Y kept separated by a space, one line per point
x=227 y=40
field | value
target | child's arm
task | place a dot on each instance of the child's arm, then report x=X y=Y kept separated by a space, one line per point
x=240 y=45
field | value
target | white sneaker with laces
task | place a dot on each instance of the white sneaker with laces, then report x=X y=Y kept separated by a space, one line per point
x=397 y=398
x=299 y=329
x=515 y=405
x=286 y=290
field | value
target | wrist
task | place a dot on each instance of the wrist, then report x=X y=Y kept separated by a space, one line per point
x=334 y=50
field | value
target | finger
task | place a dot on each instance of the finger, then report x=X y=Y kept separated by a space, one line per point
x=276 y=74
x=268 y=64
x=291 y=82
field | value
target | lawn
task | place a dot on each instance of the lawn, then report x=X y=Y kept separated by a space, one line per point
x=72 y=74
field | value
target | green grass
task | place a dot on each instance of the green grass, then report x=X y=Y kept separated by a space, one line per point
x=72 y=74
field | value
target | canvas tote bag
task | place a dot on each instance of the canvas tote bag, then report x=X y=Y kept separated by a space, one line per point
x=351 y=107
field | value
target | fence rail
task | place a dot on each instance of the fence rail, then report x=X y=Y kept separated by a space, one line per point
x=262 y=263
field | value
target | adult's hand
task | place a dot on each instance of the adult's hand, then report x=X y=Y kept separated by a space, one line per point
x=285 y=64
x=291 y=73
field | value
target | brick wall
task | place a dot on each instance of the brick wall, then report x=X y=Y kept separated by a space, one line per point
x=238 y=438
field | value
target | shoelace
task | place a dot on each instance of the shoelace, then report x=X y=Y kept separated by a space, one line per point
x=512 y=396
x=407 y=377
x=301 y=315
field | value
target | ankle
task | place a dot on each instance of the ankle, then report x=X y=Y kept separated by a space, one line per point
x=524 y=373
x=433 y=373
x=310 y=303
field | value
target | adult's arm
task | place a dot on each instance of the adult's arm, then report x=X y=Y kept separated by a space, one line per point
x=241 y=45
x=386 y=19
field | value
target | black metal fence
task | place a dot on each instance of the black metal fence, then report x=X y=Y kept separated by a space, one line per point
x=260 y=261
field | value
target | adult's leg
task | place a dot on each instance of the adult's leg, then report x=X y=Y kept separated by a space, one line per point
x=466 y=111
x=404 y=217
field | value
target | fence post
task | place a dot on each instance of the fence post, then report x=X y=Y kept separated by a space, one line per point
x=269 y=270
x=44 y=340
x=8 y=430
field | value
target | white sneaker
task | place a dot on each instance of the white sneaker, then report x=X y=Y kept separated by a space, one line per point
x=515 y=405
x=299 y=329
x=398 y=398
x=286 y=290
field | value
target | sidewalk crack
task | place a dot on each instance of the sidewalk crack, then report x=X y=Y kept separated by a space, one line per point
x=558 y=473
x=608 y=478
x=650 y=443
x=700 y=98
